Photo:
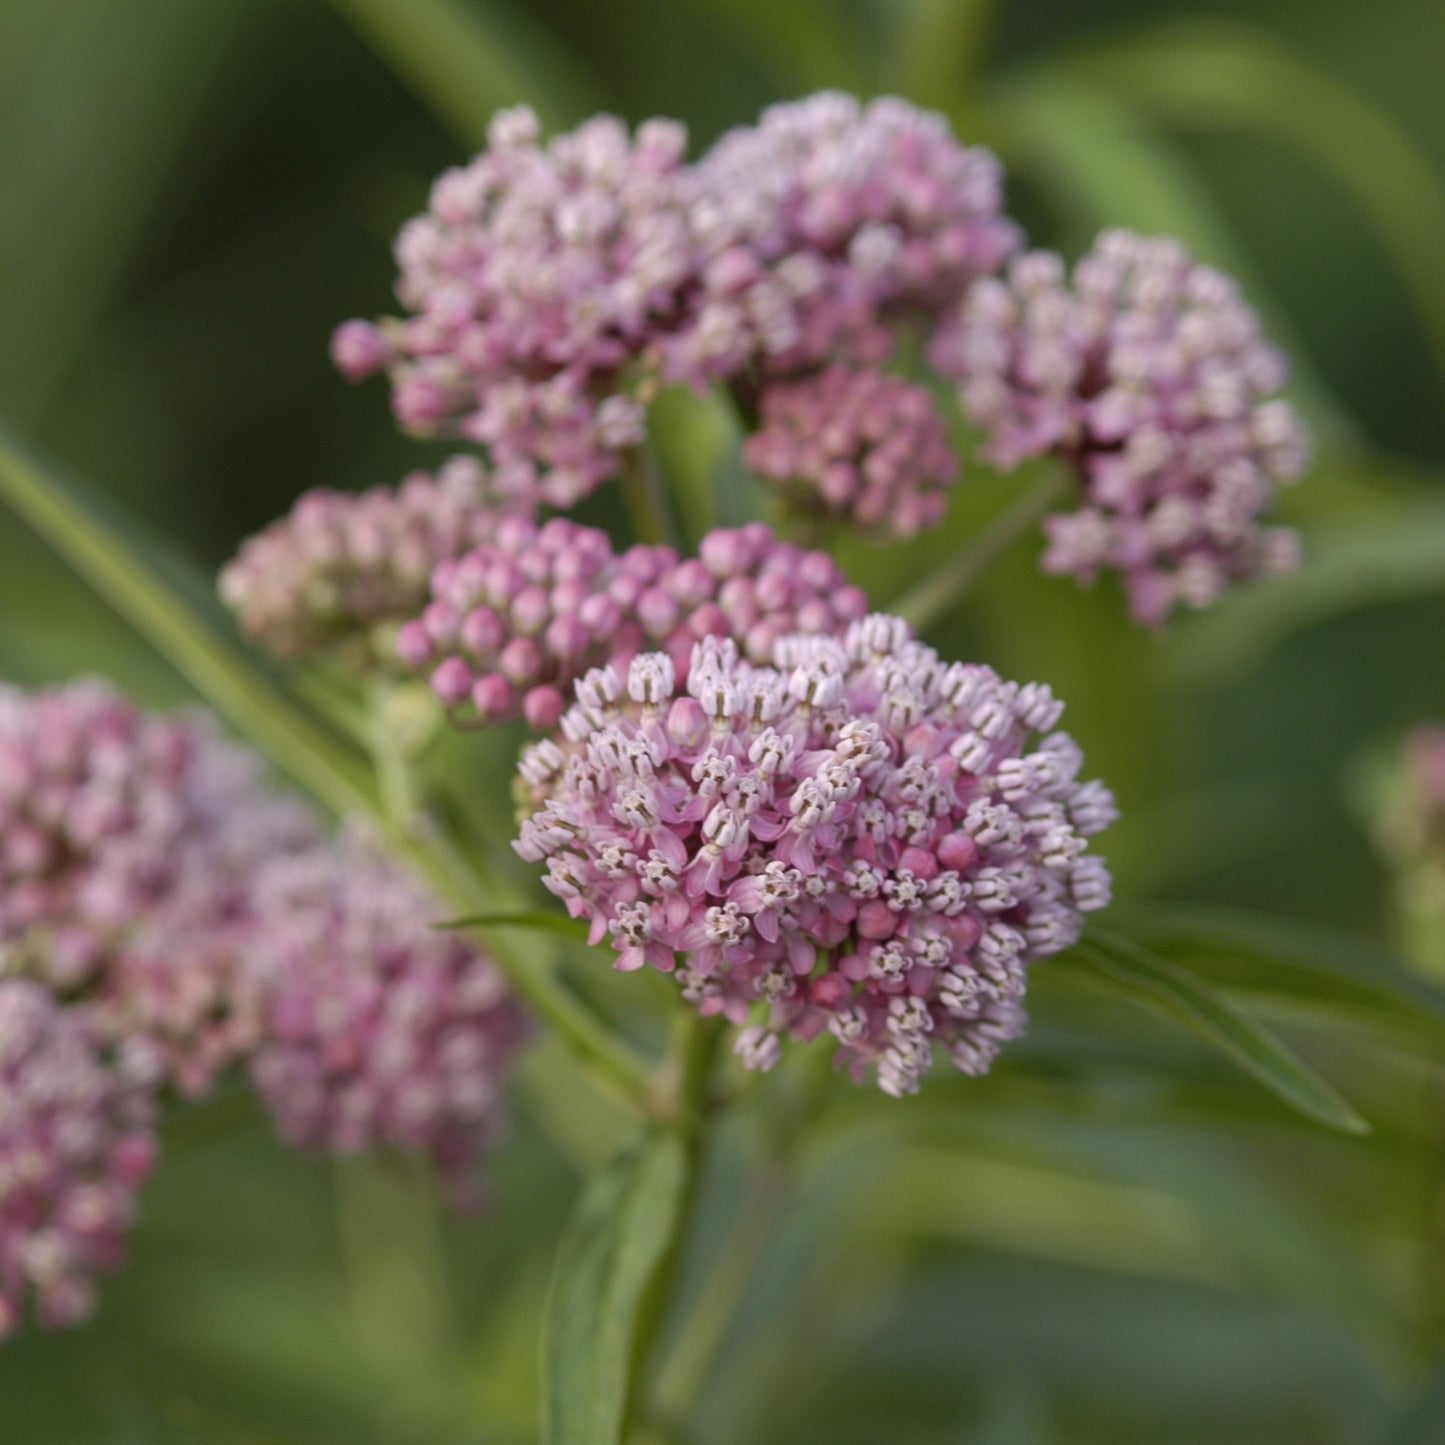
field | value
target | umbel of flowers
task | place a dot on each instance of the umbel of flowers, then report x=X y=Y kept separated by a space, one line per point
x=339 y=567
x=77 y=1138
x=860 y=840
x=163 y=916
x=379 y=1031
x=552 y=288
x=515 y=622
x=1149 y=374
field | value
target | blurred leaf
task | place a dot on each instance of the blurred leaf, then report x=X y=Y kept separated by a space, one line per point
x=466 y=64
x=809 y=48
x=1157 y=982
x=1343 y=572
x=941 y=45
x=1107 y=164
x=572 y=928
x=619 y=1232
x=1297 y=969
x=1226 y=75
x=63 y=514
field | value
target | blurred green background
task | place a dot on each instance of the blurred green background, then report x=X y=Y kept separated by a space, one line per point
x=1111 y=1239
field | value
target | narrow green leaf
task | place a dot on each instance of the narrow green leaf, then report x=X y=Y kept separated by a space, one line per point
x=1222 y=75
x=60 y=510
x=1291 y=967
x=468 y=61
x=572 y=928
x=1150 y=979
x=619 y=1233
x=1344 y=571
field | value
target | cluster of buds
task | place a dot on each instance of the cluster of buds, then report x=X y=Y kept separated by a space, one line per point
x=1149 y=374
x=857 y=445
x=77 y=1138
x=513 y=624
x=380 y=1031
x=551 y=288
x=536 y=278
x=825 y=225
x=340 y=565
x=126 y=848
x=861 y=840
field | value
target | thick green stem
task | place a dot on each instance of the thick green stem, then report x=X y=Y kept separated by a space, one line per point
x=645 y=498
x=932 y=598
x=689 y=1364
x=691 y=1064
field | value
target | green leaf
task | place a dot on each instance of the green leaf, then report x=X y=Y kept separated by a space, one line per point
x=468 y=61
x=619 y=1233
x=1222 y=75
x=571 y=928
x=1295 y=969
x=63 y=512
x=1155 y=981
x=1343 y=572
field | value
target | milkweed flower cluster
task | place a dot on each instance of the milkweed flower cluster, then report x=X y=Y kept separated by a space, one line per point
x=161 y=917
x=552 y=288
x=1147 y=372
x=861 y=840
x=378 y=1031
x=77 y=1138
x=514 y=623
x=827 y=223
x=858 y=445
x=535 y=278
x=339 y=565
x=126 y=847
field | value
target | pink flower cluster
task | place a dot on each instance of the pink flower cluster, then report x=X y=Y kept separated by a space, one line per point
x=379 y=1031
x=77 y=1138
x=1150 y=375
x=550 y=288
x=861 y=840
x=535 y=279
x=515 y=622
x=339 y=565
x=162 y=917
x=826 y=223
x=126 y=846
x=857 y=445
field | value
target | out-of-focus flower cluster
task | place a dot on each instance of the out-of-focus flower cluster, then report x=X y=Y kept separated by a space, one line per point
x=77 y=1138
x=1149 y=374
x=160 y=913
x=514 y=623
x=861 y=446
x=551 y=288
x=861 y=840
x=378 y=1030
x=340 y=565
x=127 y=844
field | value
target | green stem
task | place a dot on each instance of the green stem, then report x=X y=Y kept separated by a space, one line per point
x=333 y=773
x=691 y=1064
x=936 y=594
x=320 y=761
x=646 y=499
x=688 y=1366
